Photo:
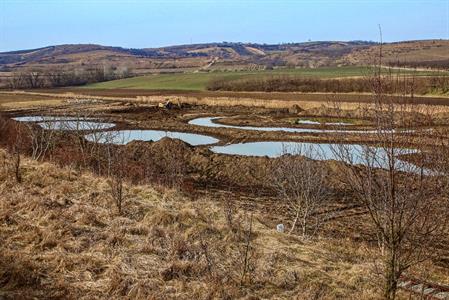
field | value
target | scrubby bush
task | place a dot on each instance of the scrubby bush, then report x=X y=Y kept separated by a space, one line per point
x=424 y=85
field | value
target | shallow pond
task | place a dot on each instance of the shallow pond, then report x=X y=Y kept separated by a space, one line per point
x=356 y=154
x=209 y=122
x=75 y=125
x=66 y=123
x=125 y=136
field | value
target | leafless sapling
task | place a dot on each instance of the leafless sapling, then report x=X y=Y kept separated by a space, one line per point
x=300 y=184
x=407 y=211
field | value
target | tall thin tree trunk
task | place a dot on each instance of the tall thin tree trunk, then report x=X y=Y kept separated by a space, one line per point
x=391 y=282
x=294 y=222
x=17 y=173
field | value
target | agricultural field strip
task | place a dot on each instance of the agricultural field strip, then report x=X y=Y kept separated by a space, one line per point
x=199 y=81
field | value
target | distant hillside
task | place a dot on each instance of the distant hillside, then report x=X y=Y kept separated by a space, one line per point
x=227 y=56
x=425 y=54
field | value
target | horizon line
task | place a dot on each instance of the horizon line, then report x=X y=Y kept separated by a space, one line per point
x=230 y=42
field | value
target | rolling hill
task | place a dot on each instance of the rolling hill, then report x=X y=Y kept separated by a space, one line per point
x=228 y=56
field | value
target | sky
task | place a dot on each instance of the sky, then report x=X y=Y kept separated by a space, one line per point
x=28 y=24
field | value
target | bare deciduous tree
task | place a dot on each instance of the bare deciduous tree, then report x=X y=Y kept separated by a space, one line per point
x=42 y=139
x=300 y=184
x=116 y=171
x=408 y=212
x=174 y=168
x=15 y=149
x=16 y=163
x=90 y=150
x=246 y=252
x=16 y=81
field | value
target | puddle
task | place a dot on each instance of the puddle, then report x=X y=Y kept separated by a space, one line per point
x=357 y=154
x=310 y=122
x=125 y=136
x=65 y=123
x=209 y=122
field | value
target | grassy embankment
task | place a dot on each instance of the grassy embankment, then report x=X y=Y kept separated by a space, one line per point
x=22 y=100
x=62 y=238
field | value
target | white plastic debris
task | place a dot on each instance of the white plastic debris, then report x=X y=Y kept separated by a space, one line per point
x=280 y=228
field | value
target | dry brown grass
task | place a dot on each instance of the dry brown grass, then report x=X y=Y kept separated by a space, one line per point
x=10 y=95
x=22 y=100
x=247 y=102
x=61 y=238
x=221 y=99
x=282 y=104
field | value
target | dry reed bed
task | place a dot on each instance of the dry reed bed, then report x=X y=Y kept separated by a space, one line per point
x=327 y=100
x=62 y=238
x=285 y=104
x=229 y=102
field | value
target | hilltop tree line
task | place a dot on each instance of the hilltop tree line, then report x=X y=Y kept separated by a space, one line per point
x=34 y=79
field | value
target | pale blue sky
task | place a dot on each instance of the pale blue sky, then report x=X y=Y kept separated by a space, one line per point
x=26 y=24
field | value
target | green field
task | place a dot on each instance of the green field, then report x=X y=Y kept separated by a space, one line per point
x=198 y=81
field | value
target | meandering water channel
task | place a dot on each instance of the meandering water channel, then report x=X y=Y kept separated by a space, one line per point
x=357 y=154
x=209 y=122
